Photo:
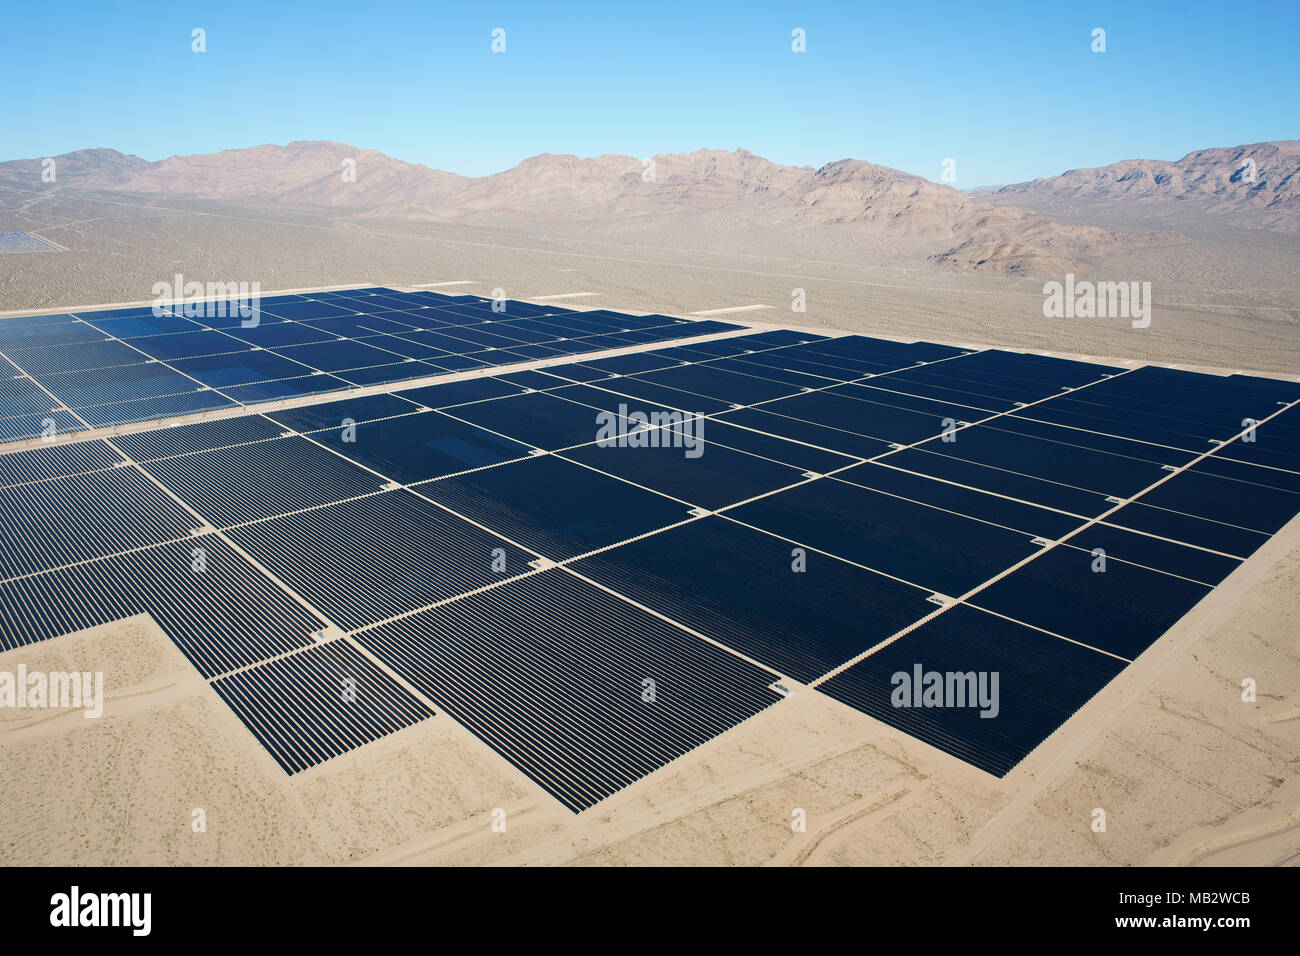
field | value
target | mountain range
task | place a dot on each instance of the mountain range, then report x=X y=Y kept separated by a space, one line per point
x=980 y=230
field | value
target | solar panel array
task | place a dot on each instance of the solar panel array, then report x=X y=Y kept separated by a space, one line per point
x=859 y=507
x=92 y=369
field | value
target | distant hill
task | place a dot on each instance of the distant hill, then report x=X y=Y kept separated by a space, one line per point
x=1218 y=180
x=947 y=226
x=86 y=167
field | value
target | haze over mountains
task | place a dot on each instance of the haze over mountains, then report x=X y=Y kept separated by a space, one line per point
x=981 y=231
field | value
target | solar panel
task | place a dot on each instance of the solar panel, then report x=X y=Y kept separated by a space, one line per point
x=739 y=586
x=1041 y=682
x=229 y=486
x=225 y=616
x=552 y=673
x=364 y=561
x=322 y=702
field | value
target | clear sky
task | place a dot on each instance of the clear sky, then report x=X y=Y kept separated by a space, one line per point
x=1010 y=91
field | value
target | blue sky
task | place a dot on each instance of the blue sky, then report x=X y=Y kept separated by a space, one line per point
x=1010 y=91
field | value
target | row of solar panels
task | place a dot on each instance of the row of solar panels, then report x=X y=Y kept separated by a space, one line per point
x=127 y=365
x=879 y=540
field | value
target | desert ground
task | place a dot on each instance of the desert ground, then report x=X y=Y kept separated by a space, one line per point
x=1226 y=297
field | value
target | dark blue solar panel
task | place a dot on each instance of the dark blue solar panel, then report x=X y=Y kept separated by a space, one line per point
x=871 y=419
x=761 y=605
x=303 y=311
x=1240 y=542
x=52 y=523
x=1122 y=610
x=144 y=325
x=1226 y=500
x=458 y=393
x=101 y=386
x=1036 y=521
x=336 y=356
x=732 y=387
x=383 y=374
x=637 y=389
x=75 y=357
x=248 y=482
x=1254 y=474
x=200 y=436
x=239 y=368
x=147 y=409
x=936 y=409
x=318 y=704
x=803 y=457
x=1053 y=460
x=1041 y=681
x=494 y=661
x=1049 y=494
x=1156 y=553
x=23 y=427
x=286 y=388
x=554 y=507
x=364 y=561
x=185 y=345
x=279 y=334
x=420 y=447
x=687 y=466
x=890 y=535
x=820 y=436
x=334 y=414
x=539 y=419
x=15 y=337
x=211 y=602
x=1161 y=454
x=54 y=461
x=982 y=388
x=21 y=396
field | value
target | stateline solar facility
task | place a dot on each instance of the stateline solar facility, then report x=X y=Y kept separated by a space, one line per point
x=398 y=506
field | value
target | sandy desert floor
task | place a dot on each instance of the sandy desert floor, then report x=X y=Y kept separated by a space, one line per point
x=1224 y=296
